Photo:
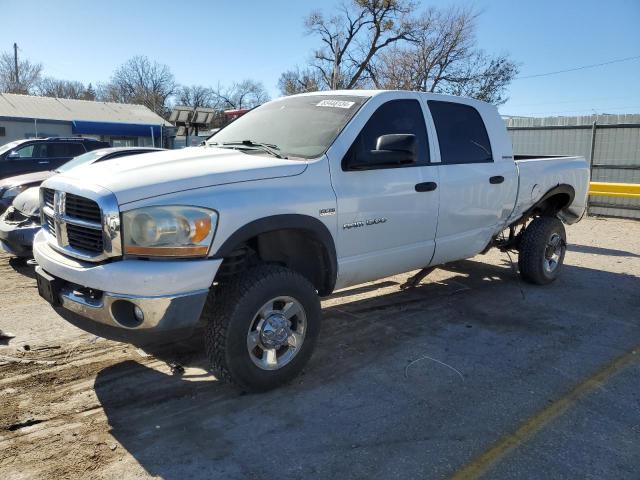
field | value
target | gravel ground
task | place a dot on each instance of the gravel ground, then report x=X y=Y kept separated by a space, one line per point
x=470 y=374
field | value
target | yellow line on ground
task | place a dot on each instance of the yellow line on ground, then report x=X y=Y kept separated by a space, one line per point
x=485 y=461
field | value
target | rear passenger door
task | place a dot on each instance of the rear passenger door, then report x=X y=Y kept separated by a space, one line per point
x=477 y=191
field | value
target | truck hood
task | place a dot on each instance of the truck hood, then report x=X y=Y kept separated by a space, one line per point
x=171 y=171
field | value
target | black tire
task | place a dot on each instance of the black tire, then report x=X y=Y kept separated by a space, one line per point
x=536 y=251
x=230 y=311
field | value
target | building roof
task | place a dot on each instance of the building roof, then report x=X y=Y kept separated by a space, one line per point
x=49 y=108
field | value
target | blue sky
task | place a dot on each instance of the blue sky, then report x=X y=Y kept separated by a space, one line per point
x=218 y=42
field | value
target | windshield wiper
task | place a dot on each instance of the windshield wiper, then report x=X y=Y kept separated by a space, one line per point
x=270 y=148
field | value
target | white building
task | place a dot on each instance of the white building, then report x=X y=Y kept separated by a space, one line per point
x=26 y=116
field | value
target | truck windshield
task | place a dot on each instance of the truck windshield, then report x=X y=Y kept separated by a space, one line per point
x=303 y=126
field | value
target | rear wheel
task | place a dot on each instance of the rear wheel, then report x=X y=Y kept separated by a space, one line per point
x=262 y=327
x=542 y=250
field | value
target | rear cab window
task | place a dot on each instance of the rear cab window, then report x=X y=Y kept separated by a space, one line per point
x=462 y=135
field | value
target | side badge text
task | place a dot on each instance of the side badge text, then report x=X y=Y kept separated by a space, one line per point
x=364 y=223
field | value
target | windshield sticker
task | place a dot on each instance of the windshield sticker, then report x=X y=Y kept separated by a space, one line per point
x=335 y=104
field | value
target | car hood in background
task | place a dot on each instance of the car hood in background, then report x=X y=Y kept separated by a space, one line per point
x=28 y=202
x=35 y=178
x=160 y=173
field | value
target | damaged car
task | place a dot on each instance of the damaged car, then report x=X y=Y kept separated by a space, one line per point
x=21 y=220
x=20 y=223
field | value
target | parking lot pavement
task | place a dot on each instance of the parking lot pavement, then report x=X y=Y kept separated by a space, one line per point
x=470 y=374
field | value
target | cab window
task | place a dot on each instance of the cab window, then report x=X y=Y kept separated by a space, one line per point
x=462 y=135
x=394 y=117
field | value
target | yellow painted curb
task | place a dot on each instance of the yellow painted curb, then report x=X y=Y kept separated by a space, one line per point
x=623 y=190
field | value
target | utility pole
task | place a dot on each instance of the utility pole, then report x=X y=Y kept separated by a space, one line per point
x=15 y=62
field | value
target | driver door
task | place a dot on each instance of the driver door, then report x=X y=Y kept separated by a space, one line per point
x=387 y=215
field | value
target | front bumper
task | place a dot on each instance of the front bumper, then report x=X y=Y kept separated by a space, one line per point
x=101 y=298
x=17 y=240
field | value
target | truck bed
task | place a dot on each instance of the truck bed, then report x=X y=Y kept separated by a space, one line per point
x=539 y=174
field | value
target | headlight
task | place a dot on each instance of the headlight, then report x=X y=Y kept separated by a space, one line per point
x=174 y=231
x=13 y=192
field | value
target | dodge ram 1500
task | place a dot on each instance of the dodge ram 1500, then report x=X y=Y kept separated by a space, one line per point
x=238 y=238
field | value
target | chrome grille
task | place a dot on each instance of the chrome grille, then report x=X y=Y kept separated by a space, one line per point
x=84 y=238
x=82 y=208
x=51 y=228
x=48 y=195
x=84 y=227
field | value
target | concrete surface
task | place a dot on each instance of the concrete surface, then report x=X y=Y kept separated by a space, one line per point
x=471 y=374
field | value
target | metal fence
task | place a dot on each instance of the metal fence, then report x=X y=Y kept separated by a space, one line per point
x=610 y=143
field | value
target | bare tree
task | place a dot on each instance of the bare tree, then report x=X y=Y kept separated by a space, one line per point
x=351 y=39
x=52 y=87
x=197 y=96
x=299 y=81
x=382 y=43
x=245 y=94
x=443 y=58
x=29 y=75
x=483 y=77
x=141 y=81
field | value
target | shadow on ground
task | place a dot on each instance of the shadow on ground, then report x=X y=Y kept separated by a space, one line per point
x=381 y=397
x=609 y=252
x=23 y=267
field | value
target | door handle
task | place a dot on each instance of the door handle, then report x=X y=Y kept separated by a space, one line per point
x=43 y=162
x=496 y=179
x=426 y=186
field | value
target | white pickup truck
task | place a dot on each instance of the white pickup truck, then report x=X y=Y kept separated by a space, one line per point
x=237 y=239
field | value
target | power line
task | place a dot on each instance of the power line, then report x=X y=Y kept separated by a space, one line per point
x=582 y=100
x=627 y=59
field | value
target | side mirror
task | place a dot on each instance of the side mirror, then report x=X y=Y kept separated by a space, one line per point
x=13 y=155
x=391 y=150
x=404 y=142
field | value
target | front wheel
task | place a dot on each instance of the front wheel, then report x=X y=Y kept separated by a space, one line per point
x=542 y=249
x=261 y=327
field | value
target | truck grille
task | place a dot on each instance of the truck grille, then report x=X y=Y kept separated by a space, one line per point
x=49 y=225
x=84 y=238
x=82 y=208
x=74 y=224
x=48 y=195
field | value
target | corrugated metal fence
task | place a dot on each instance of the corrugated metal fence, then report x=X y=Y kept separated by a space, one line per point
x=611 y=143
